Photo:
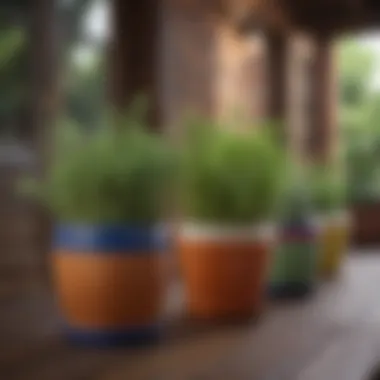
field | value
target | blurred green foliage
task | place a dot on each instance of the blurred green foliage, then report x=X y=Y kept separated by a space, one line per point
x=118 y=174
x=13 y=76
x=329 y=191
x=356 y=67
x=84 y=93
x=359 y=120
x=230 y=177
x=83 y=87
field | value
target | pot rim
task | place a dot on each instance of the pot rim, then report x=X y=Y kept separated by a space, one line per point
x=205 y=231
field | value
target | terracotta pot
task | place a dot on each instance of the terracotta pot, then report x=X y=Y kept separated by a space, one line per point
x=366 y=223
x=224 y=270
x=110 y=282
x=334 y=242
x=295 y=264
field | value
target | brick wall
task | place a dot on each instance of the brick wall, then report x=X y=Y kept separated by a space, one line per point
x=208 y=66
x=188 y=62
x=241 y=80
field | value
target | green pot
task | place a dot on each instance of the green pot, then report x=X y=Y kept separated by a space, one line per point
x=295 y=263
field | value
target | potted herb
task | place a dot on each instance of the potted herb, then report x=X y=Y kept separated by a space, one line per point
x=105 y=189
x=330 y=205
x=363 y=188
x=294 y=267
x=231 y=184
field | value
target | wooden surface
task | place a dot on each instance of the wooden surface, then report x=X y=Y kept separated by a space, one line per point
x=335 y=335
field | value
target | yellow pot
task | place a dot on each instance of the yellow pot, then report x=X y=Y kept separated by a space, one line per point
x=334 y=241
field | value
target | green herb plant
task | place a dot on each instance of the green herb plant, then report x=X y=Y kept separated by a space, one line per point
x=116 y=174
x=328 y=189
x=230 y=178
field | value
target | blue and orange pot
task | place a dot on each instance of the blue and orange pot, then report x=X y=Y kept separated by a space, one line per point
x=110 y=282
x=295 y=263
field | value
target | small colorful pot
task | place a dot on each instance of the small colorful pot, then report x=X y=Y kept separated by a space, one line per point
x=110 y=282
x=334 y=241
x=224 y=270
x=294 y=266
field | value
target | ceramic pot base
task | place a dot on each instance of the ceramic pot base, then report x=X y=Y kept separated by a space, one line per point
x=290 y=290
x=129 y=337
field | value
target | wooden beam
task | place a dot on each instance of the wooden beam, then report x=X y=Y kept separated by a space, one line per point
x=333 y=17
x=321 y=16
x=243 y=15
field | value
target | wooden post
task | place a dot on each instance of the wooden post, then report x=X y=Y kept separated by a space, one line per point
x=134 y=49
x=277 y=84
x=44 y=75
x=300 y=94
x=44 y=84
x=324 y=123
x=277 y=75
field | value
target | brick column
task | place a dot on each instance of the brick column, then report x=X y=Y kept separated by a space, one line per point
x=324 y=128
x=206 y=64
x=189 y=61
x=241 y=85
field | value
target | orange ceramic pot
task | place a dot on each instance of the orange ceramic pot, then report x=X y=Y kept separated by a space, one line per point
x=224 y=270
x=110 y=282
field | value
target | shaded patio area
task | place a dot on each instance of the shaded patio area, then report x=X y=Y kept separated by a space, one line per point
x=333 y=335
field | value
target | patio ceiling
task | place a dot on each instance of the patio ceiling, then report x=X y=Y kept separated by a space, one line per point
x=333 y=16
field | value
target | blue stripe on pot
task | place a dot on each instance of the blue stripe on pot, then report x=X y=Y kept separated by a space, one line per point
x=109 y=238
x=114 y=337
x=294 y=232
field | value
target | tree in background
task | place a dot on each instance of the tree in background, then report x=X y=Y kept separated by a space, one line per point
x=83 y=91
x=359 y=119
x=84 y=85
x=14 y=91
x=13 y=78
x=356 y=69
